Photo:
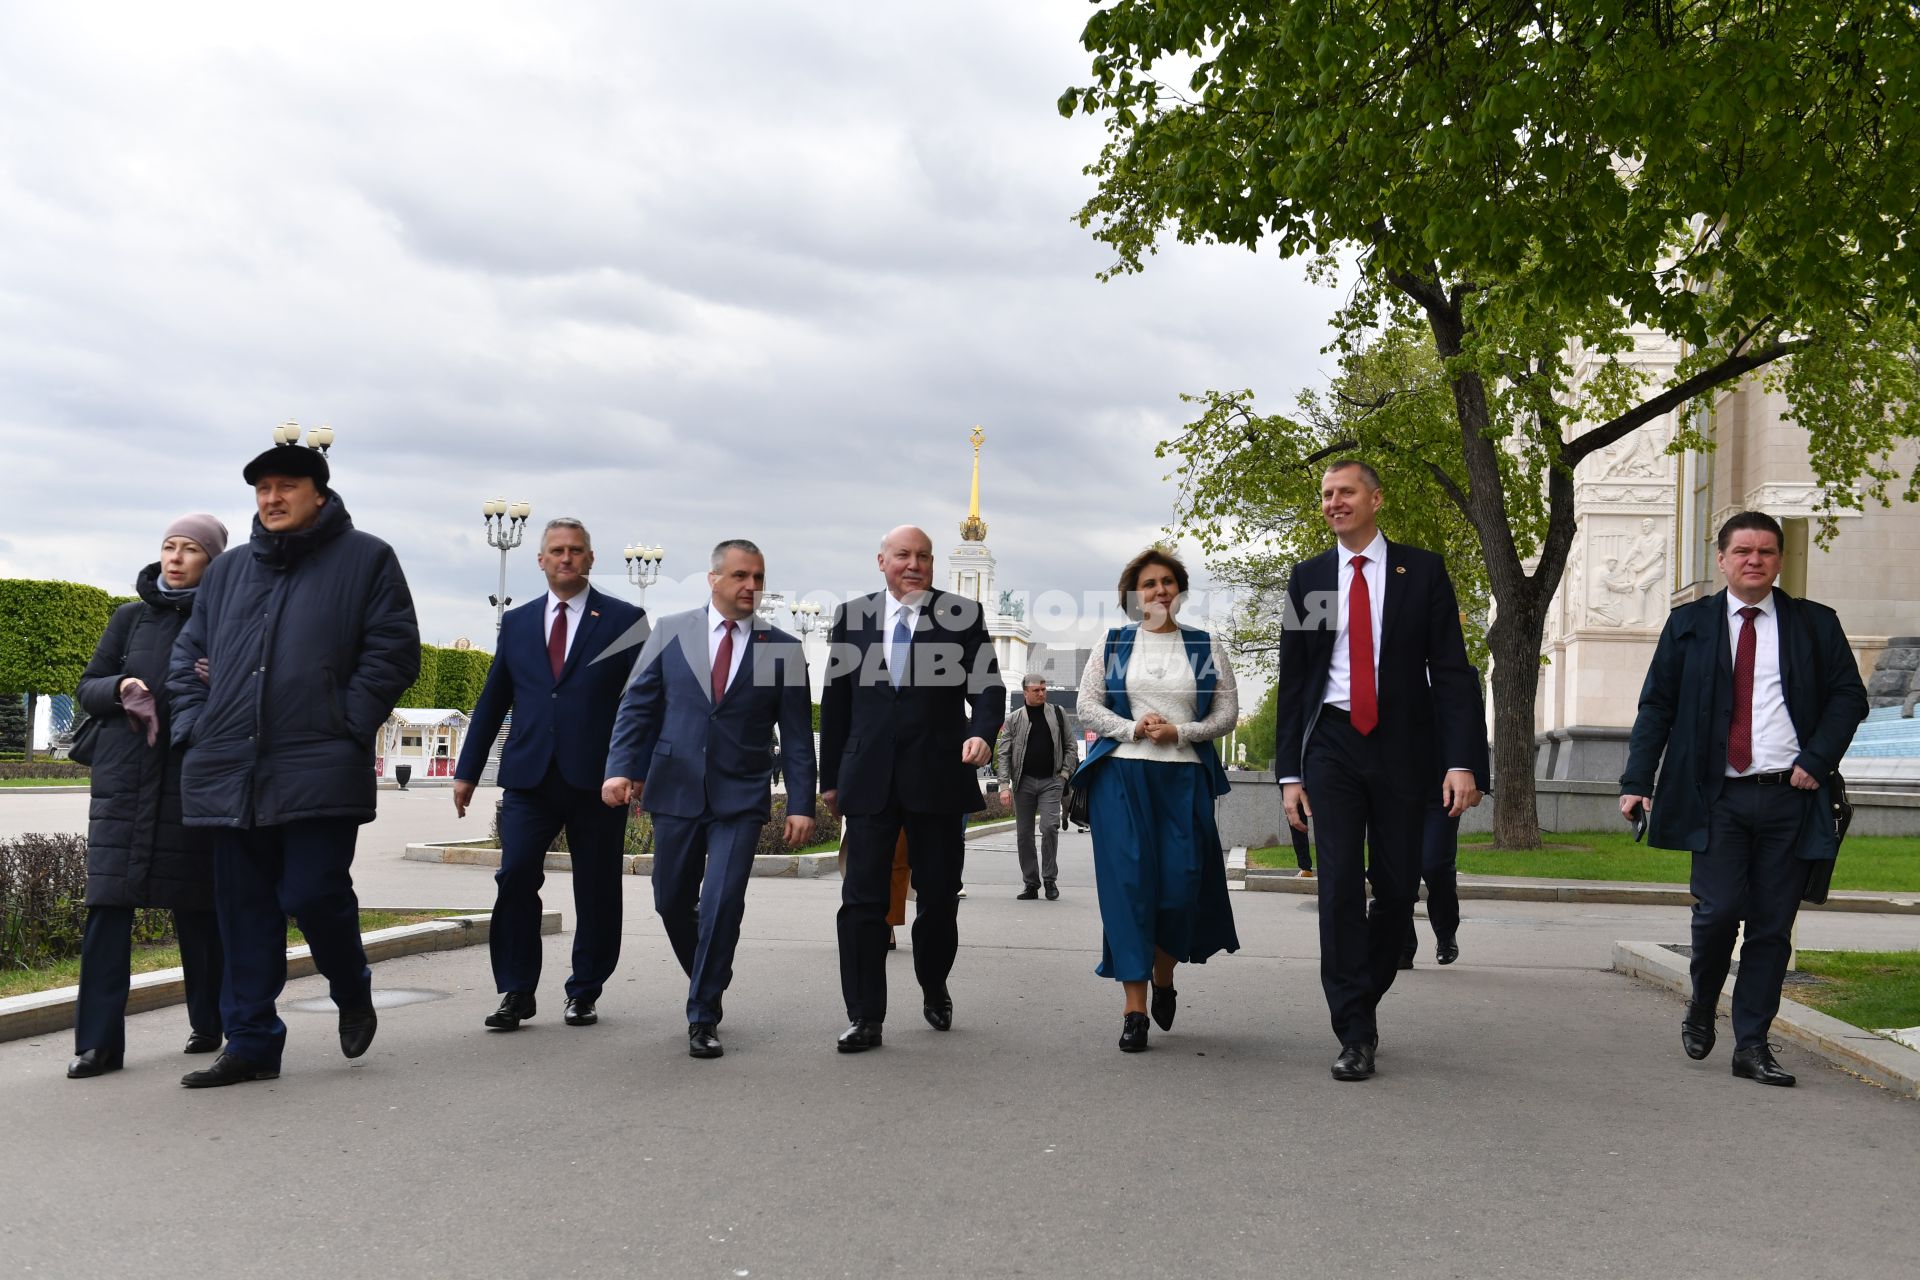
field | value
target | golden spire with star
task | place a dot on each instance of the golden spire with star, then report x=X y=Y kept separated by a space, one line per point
x=973 y=528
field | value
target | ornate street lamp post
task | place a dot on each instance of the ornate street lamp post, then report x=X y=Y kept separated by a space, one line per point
x=288 y=432
x=643 y=567
x=506 y=528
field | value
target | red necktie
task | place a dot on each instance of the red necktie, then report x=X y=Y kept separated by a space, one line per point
x=557 y=642
x=722 y=664
x=1362 y=710
x=1740 y=736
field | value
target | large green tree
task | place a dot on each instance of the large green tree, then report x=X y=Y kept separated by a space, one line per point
x=48 y=631
x=1528 y=180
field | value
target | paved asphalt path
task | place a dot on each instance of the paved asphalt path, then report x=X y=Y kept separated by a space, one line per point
x=1533 y=1116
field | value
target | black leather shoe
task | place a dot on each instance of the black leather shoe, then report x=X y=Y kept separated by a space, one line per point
x=227 y=1069
x=1446 y=950
x=938 y=1006
x=1406 y=960
x=357 y=1026
x=860 y=1037
x=1133 y=1033
x=1053 y=892
x=515 y=1008
x=581 y=1013
x=1757 y=1064
x=1028 y=894
x=203 y=1042
x=1696 y=1032
x=1163 y=1005
x=703 y=1041
x=1354 y=1063
x=95 y=1062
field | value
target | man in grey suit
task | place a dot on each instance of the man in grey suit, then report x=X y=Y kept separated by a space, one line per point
x=1033 y=761
x=693 y=743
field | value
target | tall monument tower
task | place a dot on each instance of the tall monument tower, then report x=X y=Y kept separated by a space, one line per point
x=972 y=575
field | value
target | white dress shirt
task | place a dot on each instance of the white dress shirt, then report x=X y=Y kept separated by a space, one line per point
x=894 y=609
x=1775 y=745
x=1339 y=673
x=576 y=610
x=717 y=624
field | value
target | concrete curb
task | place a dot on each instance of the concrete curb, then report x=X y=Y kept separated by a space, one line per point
x=1883 y=1061
x=67 y=790
x=789 y=866
x=1267 y=880
x=43 y=1012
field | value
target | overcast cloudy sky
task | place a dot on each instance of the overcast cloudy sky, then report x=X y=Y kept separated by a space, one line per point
x=685 y=271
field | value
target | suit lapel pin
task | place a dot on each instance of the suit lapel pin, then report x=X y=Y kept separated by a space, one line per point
x=1399 y=568
x=593 y=613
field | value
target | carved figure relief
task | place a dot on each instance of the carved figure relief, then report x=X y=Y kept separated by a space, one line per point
x=1638 y=456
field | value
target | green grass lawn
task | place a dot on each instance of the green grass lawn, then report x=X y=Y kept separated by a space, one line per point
x=1878 y=863
x=1871 y=989
x=65 y=973
x=79 y=784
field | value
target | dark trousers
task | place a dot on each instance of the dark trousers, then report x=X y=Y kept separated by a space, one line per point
x=1439 y=850
x=936 y=851
x=1361 y=807
x=1302 y=848
x=262 y=877
x=700 y=871
x=106 y=975
x=530 y=819
x=1750 y=870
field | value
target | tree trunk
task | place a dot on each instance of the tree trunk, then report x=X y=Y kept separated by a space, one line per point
x=31 y=699
x=1516 y=678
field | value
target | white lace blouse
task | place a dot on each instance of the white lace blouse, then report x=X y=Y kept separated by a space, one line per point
x=1159 y=678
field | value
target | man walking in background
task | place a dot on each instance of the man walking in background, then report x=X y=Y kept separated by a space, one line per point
x=1034 y=759
x=308 y=639
x=562 y=663
x=1751 y=701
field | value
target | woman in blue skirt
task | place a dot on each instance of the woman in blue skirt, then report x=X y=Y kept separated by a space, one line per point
x=1158 y=694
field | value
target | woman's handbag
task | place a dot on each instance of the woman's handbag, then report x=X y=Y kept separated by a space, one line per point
x=85 y=740
x=1077 y=805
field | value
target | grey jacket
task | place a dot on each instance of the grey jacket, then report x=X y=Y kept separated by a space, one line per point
x=1011 y=753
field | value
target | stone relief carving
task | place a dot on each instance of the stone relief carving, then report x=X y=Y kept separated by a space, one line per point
x=1638 y=456
x=1631 y=591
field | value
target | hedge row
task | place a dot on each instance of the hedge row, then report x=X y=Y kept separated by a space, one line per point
x=450 y=678
x=43 y=892
x=639 y=842
x=57 y=769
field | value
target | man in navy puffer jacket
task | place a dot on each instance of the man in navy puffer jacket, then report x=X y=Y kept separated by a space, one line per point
x=299 y=646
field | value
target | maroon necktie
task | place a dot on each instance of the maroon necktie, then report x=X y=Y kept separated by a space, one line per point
x=557 y=642
x=722 y=664
x=1362 y=709
x=1740 y=736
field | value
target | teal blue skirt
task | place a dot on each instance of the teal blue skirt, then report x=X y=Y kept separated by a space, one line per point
x=1158 y=869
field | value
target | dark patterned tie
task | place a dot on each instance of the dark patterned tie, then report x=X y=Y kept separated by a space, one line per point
x=1362 y=709
x=557 y=642
x=902 y=648
x=722 y=664
x=1740 y=736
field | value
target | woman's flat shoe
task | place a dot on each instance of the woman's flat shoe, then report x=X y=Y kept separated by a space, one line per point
x=95 y=1062
x=202 y=1042
x=1133 y=1033
x=1163 y=1006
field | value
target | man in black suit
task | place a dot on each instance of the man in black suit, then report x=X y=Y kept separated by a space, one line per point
x=563 y=661
x=1753 y=697
x=1375 y=697
x=912 y=704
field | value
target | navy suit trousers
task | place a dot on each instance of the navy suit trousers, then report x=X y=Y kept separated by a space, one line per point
x=1439 y=852
x=700 y=871
x=1752 y=871
x=261 y=877
x=1367 y=818
x=106 y=975
x=530 y=819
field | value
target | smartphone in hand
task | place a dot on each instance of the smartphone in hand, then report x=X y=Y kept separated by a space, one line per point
x=1638 y=817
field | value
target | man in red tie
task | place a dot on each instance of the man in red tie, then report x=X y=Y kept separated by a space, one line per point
x=1752 y=699
x=1376 y=700
x=562 y=662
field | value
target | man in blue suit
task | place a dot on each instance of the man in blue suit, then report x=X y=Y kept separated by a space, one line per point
x=912 y=705
x=694 y=745
x=1751 y=700
x=563 y=660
